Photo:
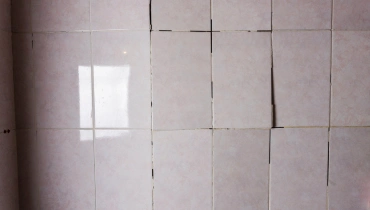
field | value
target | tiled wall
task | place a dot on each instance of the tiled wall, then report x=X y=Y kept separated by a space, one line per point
x=8 y=149
x=244 y=104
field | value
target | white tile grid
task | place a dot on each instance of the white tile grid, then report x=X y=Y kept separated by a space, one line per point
x=92 y=84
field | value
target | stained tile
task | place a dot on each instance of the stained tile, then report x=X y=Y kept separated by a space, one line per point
x=181 y=66
x=60 y=15
x=350 y=79
x=241 y=169
x=181 y=15
x=66 y=169
x=8 y=172
x=63 y=80
x=120 y=14
x=5 y=15
x=27 y=151
x=123 y=169
x=242 y=73
x=298 y=173
x=308 y=14
x=25 y=109
x=241 y=15
x=183 y=169
x=301 y=78
x=351 y=15
x=349 y=180
x=122 y=79
x=21 y=16
x=6 y=82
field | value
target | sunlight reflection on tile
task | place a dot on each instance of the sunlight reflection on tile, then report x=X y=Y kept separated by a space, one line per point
x=111 y=95
x=84 y=81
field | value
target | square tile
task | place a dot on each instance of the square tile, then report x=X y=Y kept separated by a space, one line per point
x=5 y=8
x=298 y=173
x=28 y=176
x=349 y=180
x=178 y=60
x=60 y=15
x=8 y=172
x=123 y=165
x=6 y=82
x=241 y=15
x=122 y=79
x=351 y=15
x=301 y=76
x=350 y=79
x=241 y=183
x=63 y=80
x=242 y=73
x=66 y=169
x=182 y=169
x=308 y=14
x=120 y=14
x=184 y=15
x=21 y=16
x=24 y=97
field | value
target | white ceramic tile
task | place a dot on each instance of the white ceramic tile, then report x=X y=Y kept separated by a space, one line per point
x=181 y=66
x=242 y=73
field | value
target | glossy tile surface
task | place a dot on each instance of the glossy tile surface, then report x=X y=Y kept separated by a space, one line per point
x=181 y=15
x=183 y=169
x=28 y=171
x=123 y=169
x=349 y=180
x=240 y=181
x=298 y=171
x=241 y=15
x=308 y=14
x=63 y=80
x=8 y=172
x=301 y=78
x=6 y=82
x=24 y=91
x=60 y=15
x=122 y=79
x=181 y=67
x=5 y=10
x=242 y=73
x=21 y=16
x=350 y=79
x=351 y=15
x=66 y=169
x=118 y=14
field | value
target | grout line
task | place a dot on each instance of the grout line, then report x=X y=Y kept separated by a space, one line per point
x=212 y=108
x=269 y=174
x=273 y=109
x=151 y=95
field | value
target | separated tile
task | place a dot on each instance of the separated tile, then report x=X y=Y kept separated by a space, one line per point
x=181 y=66
x=6 y=82
x=182 y=169
x=308 y=14
x=60 y=15
x=122 y=79
x=181 y=15
x=120 y=14
x=5 y=8
x=66 y=169
x=351 y=15
x=349 y=180
x=241 y=15
x=301 y=78
x=241 y=169
x=8 y=172
x=242 y=73
x=350 y=105
x=63 y=80
x=25 y=109
x=21 y=16
x=298 y=173
x=123 y=169
x=28 y=168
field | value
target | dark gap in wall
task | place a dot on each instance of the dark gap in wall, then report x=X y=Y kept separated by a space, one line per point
x=151 y=104
x=6 y=131
x=270 y=147
x=263 y=31
x=153 y=173
x=165 y=30
x=327 y=169
x=150 y=15
x=211 y=89
x=211 y=37
x=277 y=127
